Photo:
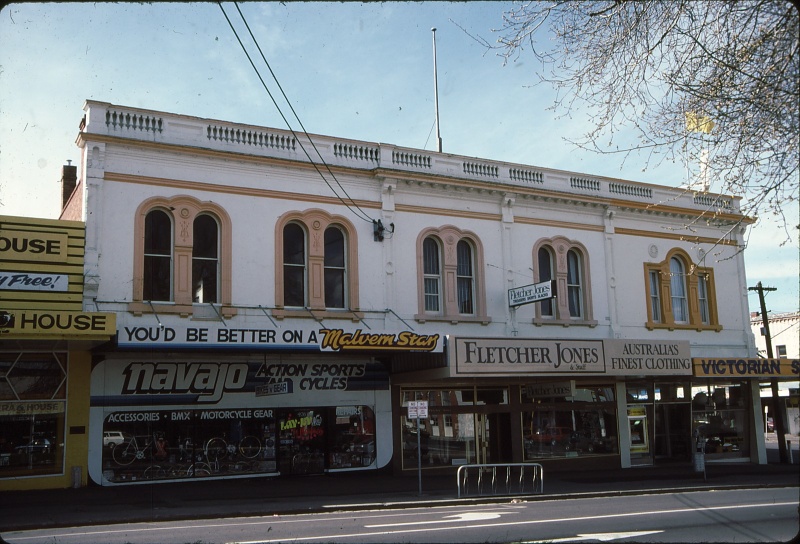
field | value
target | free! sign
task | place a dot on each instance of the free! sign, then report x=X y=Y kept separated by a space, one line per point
x=531 y=293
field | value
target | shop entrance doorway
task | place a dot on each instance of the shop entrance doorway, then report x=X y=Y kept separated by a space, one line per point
x=673 y=432
x=660 y=419
x=493 y=435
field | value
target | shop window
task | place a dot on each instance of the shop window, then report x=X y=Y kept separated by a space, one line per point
x=721 y=420
x=353 y=437
x=681 y=294
x=559 y=421
x=182 y=256
x=317 y=266
x=449 y=262
x=33 y=395
x=147 y=445
x=458 y=420
x=565 y=262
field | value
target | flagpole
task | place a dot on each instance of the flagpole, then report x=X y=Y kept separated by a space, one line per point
x=436 y=93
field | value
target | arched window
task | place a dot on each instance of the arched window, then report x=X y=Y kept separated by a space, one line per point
x=182 y=256
x=157 y=277
x=565 y=263
x=335 y=269
x=317 y=272
x=680 y=294
x=451 y=286
x=205 y=259
x=294 y=265
x=432 y=275
x=677 y=287
x=465 y=278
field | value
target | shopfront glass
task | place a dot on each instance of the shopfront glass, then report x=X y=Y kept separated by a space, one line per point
x=180 y=419
x=721 y=419
x=32 y=408
x=175 y=444
x=463 y=426
x=562 y=420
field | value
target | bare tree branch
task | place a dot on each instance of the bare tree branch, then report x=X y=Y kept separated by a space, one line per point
x=641 y=67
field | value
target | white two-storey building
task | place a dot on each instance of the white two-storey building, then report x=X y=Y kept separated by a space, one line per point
x=281 y=298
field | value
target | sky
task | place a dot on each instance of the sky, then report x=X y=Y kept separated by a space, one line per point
x=361 y=71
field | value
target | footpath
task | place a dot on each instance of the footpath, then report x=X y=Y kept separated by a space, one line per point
x=92 y=505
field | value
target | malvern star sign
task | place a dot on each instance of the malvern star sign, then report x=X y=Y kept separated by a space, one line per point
x=535 y=292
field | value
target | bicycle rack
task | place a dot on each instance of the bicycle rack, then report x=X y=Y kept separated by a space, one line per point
x=519 y=479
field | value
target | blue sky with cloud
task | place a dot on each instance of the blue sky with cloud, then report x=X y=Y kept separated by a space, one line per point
x=356 y=70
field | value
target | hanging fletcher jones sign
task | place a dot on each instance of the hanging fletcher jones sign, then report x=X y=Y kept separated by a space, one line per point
x=535 y=292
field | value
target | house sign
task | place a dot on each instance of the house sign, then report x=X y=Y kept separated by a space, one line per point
x=534 y=292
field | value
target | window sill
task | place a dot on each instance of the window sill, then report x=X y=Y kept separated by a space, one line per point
x=681 y=327
x=539 y=322
x=183 y=310
x=454 y=319
x=319 y=315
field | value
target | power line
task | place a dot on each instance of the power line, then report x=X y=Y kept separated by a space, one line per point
x=362 y=214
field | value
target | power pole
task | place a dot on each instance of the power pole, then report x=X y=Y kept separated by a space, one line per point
x=777 y=412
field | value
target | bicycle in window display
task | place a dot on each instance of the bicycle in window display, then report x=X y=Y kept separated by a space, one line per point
x=223 y=456
x=130 y=450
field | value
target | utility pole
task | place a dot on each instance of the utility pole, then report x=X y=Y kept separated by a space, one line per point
x=776 y=409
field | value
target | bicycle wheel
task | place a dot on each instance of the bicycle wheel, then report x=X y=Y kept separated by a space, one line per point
x=154 y=472
x=200 y=470
x=125 y=453
x=250 y=447
x=216 y=449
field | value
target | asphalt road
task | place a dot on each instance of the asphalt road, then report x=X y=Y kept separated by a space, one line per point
x=762 y=515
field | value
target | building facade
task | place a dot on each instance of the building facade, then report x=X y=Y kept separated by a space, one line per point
x=784 y=329
x=282 y=297
x=45 y=353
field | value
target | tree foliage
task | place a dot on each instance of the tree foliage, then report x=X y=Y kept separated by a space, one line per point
x=669 y=70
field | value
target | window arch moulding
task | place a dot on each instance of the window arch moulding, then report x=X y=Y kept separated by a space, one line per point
x=182 y=211
x=560 y=310
x=447 y=238
x=699 y=292
x=315 y=222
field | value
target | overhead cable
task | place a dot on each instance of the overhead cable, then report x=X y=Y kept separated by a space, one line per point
x=361 y=213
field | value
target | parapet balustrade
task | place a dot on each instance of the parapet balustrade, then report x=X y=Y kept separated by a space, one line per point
x=133 y=123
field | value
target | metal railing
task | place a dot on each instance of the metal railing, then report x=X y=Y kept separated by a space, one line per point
x=510 y=479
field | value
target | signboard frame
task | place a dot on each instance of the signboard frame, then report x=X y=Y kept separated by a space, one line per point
x=528 y=294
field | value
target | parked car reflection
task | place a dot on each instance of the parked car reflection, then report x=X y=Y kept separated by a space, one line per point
x=38 y=445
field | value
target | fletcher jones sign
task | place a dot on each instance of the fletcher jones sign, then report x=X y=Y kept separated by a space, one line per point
x=505 y=356
x=531 y=293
